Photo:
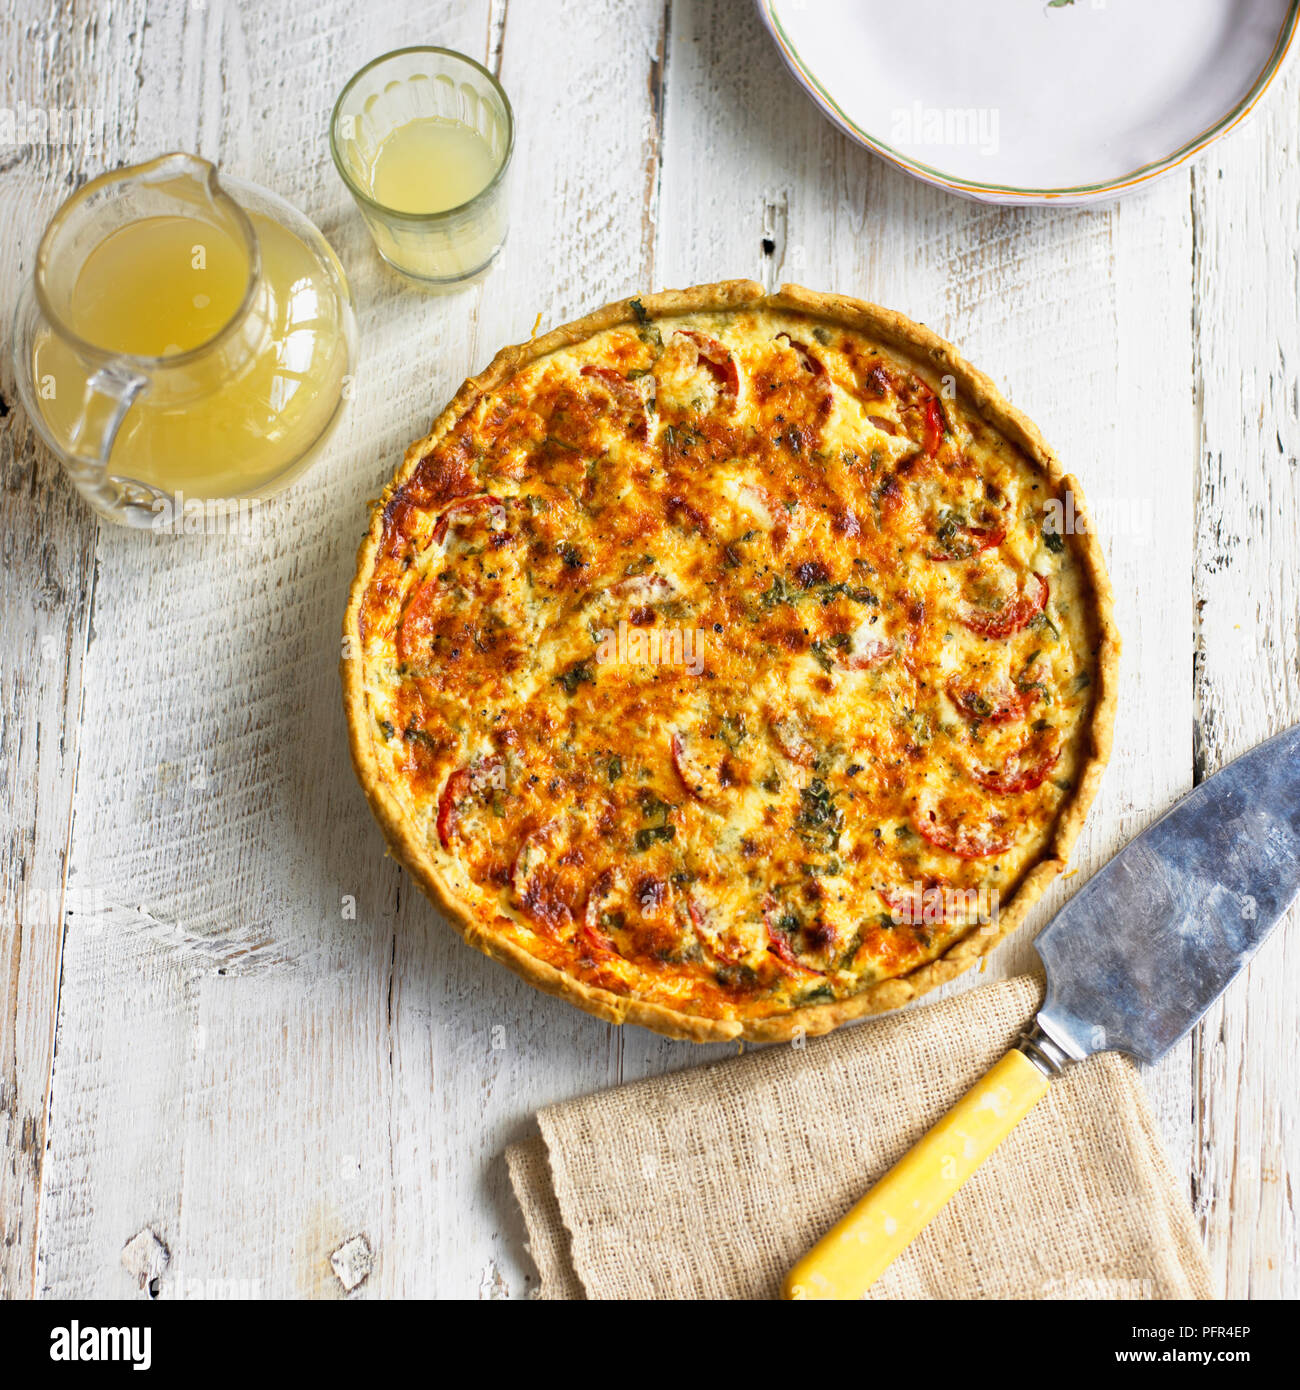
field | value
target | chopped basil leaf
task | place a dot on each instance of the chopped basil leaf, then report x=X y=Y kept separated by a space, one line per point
x=577 y=674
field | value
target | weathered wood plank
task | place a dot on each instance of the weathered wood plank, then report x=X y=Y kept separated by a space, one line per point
x=1246 y=214
x=82 y=61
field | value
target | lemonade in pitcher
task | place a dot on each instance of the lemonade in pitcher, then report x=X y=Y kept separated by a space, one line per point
x=180 y=340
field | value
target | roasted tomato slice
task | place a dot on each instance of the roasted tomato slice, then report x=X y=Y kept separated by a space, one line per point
x=1012 y=616
x=778 y=943
x=551 y=883
x=864 y=653
x=1001 y=706
x=530 y=854
x=461 y=512
x=877 y=383
x=418 y=622
x=906 y=396
x=702 y=921
x=966 y=842
x=715 y=359
x=643 y=589
x=966 y=541
x=808 y=359
x=682 y=512
x=788 y=736
x=935 y=425
x=460 y=784
x=1028 y=769
x=920 y=904
x=704 y=766
x=421 y=618
x=634 y=598
x=695 y=777
x=873 y=654
x=590 y=932
x=628 y=396
x=813 y=364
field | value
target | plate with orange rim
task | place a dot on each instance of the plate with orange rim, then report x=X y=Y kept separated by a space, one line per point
x=1034 y=101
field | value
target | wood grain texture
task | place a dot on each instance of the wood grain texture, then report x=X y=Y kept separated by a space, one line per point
x=1246 y=591
x=270 y=1050
x=47 y=580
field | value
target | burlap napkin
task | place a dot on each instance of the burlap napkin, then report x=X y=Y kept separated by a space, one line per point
x=709 y=1183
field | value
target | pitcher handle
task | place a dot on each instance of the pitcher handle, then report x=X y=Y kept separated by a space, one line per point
x=110 y=393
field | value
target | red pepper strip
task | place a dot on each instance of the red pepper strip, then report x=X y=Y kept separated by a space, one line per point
x=963 y=846
x=712 y=355
x=625 y=393
x=467 y=778
x=1012 y=617
x=468 y=504
x=1023 y=779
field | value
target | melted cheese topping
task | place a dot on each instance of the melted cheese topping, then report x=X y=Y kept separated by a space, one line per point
x=724 y=663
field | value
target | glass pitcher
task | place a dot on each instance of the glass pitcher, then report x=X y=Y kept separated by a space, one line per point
x=182 y=339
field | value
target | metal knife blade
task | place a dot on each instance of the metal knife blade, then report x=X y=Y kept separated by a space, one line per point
x=1149 y=943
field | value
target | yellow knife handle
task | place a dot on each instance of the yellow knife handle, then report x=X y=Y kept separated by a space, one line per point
x=857 y=1250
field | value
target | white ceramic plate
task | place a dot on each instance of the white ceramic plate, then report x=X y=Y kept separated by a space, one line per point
x=1027 y=101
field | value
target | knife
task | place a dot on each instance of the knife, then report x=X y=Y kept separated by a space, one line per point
x=1133 y=960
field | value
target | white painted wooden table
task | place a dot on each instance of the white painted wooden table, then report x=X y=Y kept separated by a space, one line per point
x=196 y=1038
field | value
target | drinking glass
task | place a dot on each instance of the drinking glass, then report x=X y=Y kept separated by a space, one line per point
x=411 y=84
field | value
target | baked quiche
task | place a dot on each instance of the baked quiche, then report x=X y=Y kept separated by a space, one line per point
x=735 y=664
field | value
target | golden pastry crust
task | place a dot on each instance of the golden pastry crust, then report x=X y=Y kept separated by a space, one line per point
x=865 y=512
